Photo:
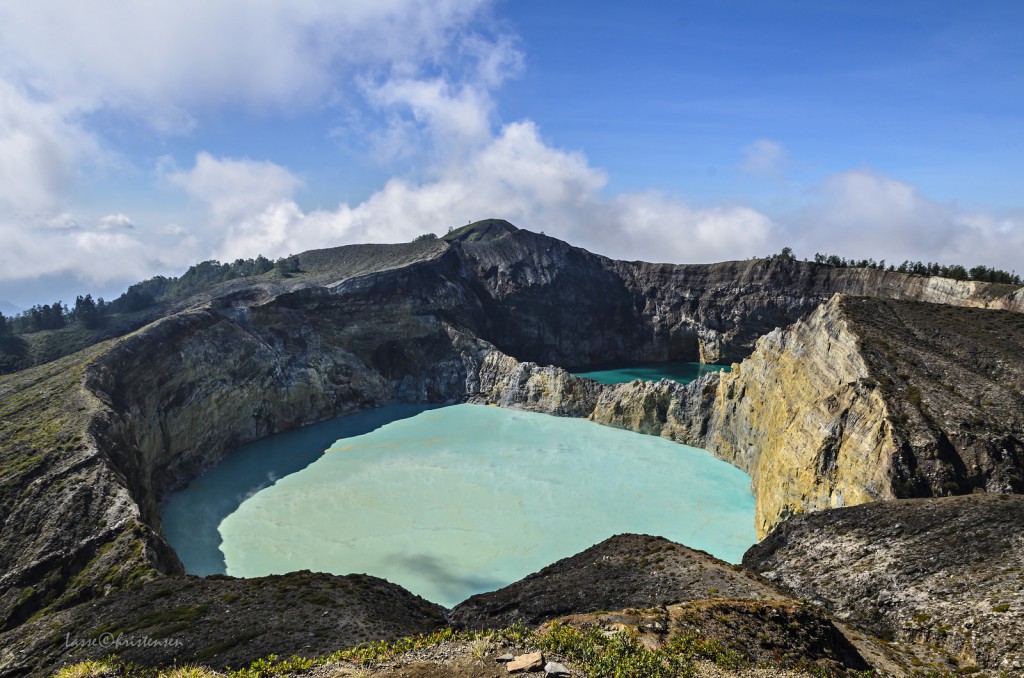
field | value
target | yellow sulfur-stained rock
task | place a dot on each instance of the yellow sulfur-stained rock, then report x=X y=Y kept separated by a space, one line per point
x=802 y=416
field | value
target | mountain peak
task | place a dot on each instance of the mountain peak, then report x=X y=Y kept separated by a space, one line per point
x=485 y=229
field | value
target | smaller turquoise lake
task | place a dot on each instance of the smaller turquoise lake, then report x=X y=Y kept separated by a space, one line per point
x=452 y=501
x=681 y=372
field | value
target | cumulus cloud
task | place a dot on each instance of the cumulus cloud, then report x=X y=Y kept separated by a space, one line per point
x=454 y=118
x=763 y=159
x=116 y=222
x=515 y=176
x=93 y=254
x=39 y=152
x=167 y=63
x=161 y=60
x=232 y=189
x=866 y=214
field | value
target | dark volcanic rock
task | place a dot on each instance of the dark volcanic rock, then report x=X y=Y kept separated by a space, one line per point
x=954 y=378
x=627 y=570
x=551 y=303
x=222 y=621
x=945 y=572
x=771 y=633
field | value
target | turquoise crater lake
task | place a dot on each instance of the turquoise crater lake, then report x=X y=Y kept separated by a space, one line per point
x=681 y=372
x=452 y=501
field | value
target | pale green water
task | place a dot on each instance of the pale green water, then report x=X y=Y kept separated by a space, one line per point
x=466 y=499
x=681 y=372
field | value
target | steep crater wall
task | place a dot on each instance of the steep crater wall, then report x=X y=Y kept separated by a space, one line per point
x=548 y=302
x=185 y=390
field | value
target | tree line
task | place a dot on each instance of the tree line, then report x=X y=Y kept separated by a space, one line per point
x=92 y=313
x=55 y=316
x=980 y=272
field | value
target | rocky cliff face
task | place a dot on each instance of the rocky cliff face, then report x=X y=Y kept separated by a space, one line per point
x=804 y=418
x=543 y=300
x=871 y=399
x=555 y=304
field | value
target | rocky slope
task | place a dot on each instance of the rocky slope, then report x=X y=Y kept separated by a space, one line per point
x=628 y=570
x=90 y=443
x=947 y=572
x=670 y=589
x=220 y=621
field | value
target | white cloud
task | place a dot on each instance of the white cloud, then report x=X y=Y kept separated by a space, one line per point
x=116 y=222
x=169 y=63
x=162 y=60
x=515 y=176
x=449 y=117
x=170 y=229
x=39 y=152
x=864 y=214
x=94 y=254
x=233 y=189
x=763 y=159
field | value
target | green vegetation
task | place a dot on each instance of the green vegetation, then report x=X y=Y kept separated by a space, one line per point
x=46 y=317
x=480 y=231
x=87 y=669
x=590 y=650
x=785 y=255
x=956 y=271
x=197 y=278
x=49 y=331
x=42 y=412
x=980 y=272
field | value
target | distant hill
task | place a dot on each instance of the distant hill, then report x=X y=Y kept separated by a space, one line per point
x=9 y=309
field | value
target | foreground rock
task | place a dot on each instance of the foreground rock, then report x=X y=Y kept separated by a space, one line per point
x=525 y=663
x=624 y=571
x=221 y=621
x=680 y=593
x=679 y=602
x=942 y=572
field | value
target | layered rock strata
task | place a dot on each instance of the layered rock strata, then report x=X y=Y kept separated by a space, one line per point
x=555 y=304
x=946 y=573
x=872 y=399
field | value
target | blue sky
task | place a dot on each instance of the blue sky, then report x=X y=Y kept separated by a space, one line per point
x=136 y=139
